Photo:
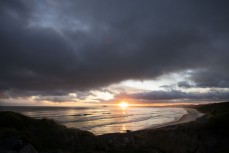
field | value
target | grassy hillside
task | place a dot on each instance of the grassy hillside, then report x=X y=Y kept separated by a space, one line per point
x=45 y=134
x=218 y=115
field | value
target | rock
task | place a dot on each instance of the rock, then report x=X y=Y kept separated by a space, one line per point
x=28 y=148
x=128 y=131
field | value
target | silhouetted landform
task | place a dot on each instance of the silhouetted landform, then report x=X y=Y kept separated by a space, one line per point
x=208 y=134
x=19 y=133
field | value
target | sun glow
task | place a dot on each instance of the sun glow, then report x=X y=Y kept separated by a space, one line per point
x=123 y=104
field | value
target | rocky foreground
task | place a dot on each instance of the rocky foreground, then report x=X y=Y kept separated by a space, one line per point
x=208 y=134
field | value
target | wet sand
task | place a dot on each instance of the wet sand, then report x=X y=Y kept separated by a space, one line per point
x=192 y=115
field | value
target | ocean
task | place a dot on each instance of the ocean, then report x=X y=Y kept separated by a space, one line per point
x=101 y=120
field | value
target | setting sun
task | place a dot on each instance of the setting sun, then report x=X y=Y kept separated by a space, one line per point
x=123 y=105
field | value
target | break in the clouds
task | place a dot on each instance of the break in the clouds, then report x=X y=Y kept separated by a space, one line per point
x=48 y=46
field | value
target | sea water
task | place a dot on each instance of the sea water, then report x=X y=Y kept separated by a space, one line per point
x=101 y=120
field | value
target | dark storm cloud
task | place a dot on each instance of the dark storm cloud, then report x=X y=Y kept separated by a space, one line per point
x=184 y=84
x=211 y=78
x=15 y=93
x=68 y=45
x=57 y=99
x=207 y=79
x=178 y=95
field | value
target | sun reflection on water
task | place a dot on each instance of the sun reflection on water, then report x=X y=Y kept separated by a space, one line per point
x=124 y=112
x=123 y=128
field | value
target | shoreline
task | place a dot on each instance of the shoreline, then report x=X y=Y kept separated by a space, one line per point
x=192 y=115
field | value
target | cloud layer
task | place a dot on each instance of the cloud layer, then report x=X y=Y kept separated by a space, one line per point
x=48 y=46
x=178 y=95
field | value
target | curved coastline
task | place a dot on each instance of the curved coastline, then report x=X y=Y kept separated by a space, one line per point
x=192 y=115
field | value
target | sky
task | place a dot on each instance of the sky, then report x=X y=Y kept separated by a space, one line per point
x=79 y=52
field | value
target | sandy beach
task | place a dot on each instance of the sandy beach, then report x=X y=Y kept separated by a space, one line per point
x=192 y=115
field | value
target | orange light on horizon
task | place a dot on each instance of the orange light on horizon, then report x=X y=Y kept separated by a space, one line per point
x=123 y=104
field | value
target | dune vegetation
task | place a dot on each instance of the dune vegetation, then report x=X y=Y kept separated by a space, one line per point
x=16 y=130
